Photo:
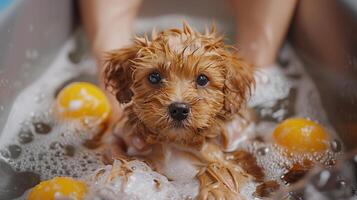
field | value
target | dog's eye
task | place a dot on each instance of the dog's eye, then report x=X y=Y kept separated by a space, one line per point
x=202 y=80
x=154 y=78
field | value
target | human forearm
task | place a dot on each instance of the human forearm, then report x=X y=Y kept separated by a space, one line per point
x=108 y=23
x=262 y=26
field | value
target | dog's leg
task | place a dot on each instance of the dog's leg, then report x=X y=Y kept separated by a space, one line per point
x=218 y=181
x=248 y=163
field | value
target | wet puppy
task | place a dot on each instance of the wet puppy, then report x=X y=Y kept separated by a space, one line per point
x=183 y=90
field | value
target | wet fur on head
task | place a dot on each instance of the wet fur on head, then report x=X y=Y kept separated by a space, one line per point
x=179 y=56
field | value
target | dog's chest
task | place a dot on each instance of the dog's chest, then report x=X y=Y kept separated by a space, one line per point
x=174 y=162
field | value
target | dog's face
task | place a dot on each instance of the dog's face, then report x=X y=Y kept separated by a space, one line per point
x=180 y=83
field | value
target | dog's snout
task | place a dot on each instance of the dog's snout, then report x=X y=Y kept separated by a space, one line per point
x=179 y=111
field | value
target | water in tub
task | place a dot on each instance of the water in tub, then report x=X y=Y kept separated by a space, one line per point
x=36 y=146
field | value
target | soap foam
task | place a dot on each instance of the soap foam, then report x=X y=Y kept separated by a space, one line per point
x=137 y=181
x=57 y=152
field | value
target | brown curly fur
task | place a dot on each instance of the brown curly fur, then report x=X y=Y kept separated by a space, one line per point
x=180 y=56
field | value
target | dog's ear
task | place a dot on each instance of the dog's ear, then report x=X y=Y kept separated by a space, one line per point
x=118 y=71
x=238 y=83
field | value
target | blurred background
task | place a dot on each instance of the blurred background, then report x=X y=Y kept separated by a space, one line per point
x=323 y=33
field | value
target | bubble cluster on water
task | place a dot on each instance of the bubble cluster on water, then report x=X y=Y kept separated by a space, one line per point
x=278 y=162
x=269 y=157
x=51 y=149
x=325 y=184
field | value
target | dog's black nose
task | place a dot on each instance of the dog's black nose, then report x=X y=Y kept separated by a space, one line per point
x=179 y=111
